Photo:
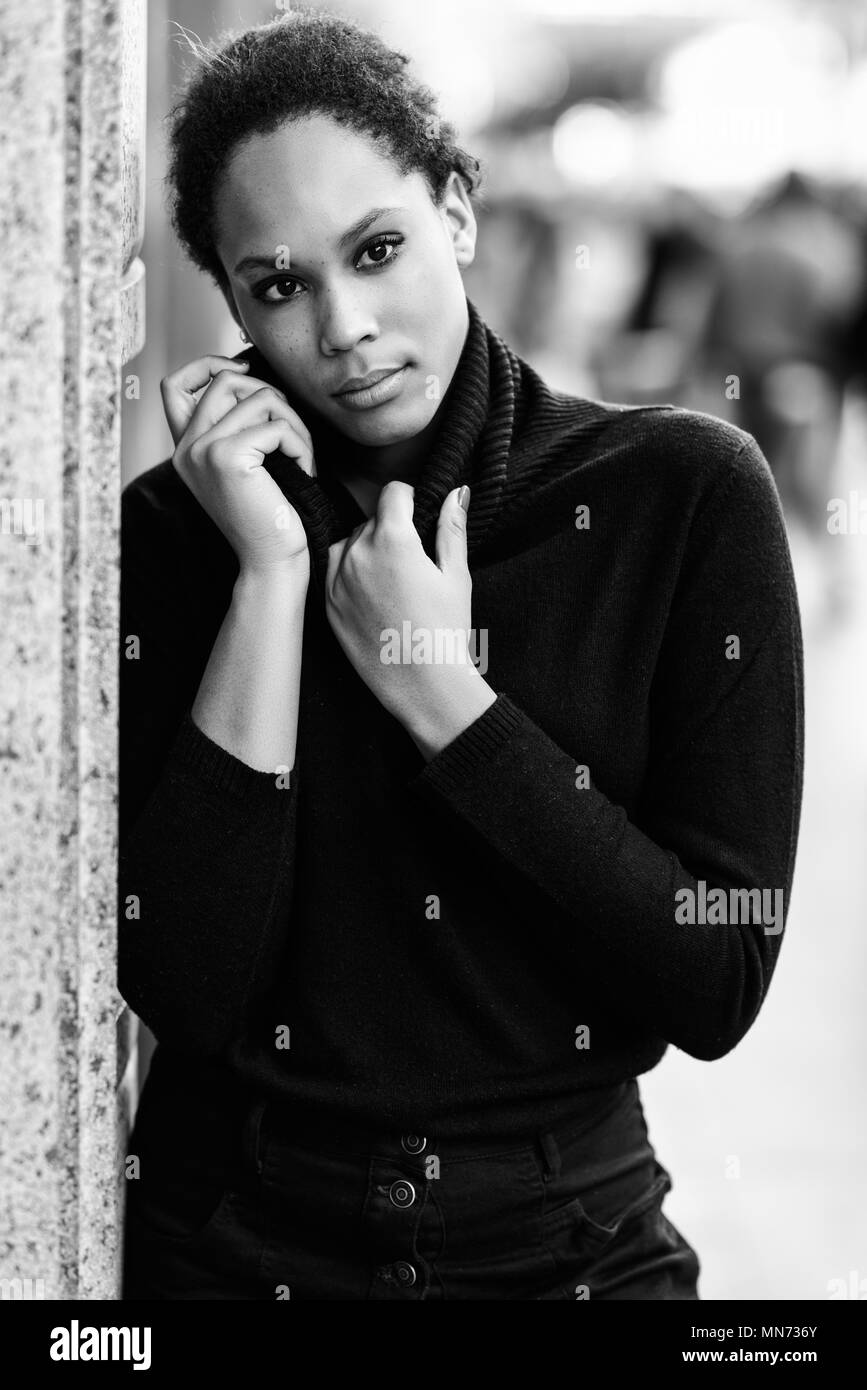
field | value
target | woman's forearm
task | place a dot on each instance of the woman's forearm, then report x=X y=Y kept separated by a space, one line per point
x=247 y=701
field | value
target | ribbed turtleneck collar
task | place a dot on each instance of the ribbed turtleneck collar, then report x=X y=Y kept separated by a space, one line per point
x=472 y=445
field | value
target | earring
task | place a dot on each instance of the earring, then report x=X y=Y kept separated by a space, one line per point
x=244 y=338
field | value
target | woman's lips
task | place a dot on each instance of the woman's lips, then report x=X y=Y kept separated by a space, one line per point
x=383 y=390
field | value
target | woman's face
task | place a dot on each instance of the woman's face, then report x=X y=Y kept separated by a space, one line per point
x=325 y=298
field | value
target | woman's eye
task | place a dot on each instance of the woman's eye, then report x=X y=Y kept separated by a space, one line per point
x=382 y=250
x=277 y=299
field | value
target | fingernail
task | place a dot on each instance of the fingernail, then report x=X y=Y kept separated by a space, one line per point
x=464 y=497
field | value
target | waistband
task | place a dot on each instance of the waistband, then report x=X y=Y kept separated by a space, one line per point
x=266 y=1117
x=210 y=1105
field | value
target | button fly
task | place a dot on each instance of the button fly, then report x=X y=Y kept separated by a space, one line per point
x=401 y=1193
x=413 y=1143
x=405 y=1273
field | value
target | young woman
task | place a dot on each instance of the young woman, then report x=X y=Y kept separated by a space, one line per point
x=461 y=740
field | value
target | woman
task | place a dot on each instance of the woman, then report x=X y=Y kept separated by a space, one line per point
x=406 y=879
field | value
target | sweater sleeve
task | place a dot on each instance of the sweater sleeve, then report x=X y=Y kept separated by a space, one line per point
x=206 y=843
x=720 y=800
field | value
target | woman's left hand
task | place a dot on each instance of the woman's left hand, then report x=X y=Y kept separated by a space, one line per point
x=380 y=578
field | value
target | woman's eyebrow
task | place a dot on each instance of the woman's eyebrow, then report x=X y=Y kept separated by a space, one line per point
x=350 y=235
x=364 y=222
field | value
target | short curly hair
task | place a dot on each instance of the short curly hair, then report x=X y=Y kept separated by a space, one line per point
x=305 y=62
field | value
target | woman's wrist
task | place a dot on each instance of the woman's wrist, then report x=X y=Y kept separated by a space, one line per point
x=451 y=705
x=289 y=576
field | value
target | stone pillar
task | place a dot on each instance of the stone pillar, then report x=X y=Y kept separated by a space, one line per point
x=71 y=314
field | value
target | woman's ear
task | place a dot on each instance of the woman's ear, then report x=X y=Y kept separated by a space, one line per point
x=460 y=220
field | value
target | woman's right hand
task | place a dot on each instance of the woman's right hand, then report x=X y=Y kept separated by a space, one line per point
x=221 y=441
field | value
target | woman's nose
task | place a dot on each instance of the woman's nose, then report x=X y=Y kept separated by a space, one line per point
x=346 y=318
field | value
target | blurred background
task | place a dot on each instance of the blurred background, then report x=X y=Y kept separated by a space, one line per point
x=674 y=210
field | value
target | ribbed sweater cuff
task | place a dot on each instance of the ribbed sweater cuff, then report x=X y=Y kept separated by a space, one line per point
x=473 y=748
x=194 y=752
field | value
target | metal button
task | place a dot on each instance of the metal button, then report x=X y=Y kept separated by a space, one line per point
x=405 y=1273
x=402 y=1193
x=413 y=1143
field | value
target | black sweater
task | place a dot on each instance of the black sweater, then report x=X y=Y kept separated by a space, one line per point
x=436 y=935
